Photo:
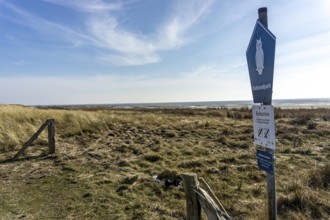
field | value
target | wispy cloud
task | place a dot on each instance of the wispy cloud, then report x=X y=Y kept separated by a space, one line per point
x=10 y=37
x=305 y=49
x=131 y=60
x=19 y=62
x=93 y=6
x=184 y=15
x=138 y=49
x=24 y=18
x=209 y=71
x=120 y=45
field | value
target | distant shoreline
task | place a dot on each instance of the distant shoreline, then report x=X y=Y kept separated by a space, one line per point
x=281 y=103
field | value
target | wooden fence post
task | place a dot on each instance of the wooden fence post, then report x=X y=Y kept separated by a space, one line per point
x=198 y=198
x=210 y=207
x=213 y=196
x=30 y=141
x=51 y=135
x=51 y=138
x=190 y=183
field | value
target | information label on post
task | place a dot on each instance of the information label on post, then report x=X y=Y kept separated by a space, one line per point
x=264 y=126
x=265 y=161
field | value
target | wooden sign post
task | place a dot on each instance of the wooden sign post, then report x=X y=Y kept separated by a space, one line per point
x=271 y=182
x=260 y=58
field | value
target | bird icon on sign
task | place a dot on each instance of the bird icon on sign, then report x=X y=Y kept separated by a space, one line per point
x=259 y=56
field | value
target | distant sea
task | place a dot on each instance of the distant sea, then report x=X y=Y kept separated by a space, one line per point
x=282 y=103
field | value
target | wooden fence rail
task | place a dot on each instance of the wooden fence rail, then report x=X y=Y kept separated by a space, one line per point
x=198 y=198
x=51 y=138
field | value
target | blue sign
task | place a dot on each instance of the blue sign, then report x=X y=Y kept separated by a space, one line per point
x=260 y=56
x=265 y=161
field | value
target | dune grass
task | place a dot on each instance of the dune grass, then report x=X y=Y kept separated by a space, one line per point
x=107 y=158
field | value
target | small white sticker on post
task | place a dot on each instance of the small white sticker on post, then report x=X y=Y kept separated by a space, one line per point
x=264 y=126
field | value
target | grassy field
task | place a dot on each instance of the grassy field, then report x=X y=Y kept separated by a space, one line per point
x=106 y=160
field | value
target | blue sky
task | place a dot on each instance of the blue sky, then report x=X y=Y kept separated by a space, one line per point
x=94 y=51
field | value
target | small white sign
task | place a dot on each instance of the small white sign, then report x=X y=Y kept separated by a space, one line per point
x=264 y=126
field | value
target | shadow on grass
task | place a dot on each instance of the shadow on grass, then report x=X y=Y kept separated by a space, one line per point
x=39 y=157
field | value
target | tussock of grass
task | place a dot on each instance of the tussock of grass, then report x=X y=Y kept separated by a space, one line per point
x=152 y=157
x=320 y=178
x=304 y=202
x=169 y=175
x=190 y=164
x=107 y=158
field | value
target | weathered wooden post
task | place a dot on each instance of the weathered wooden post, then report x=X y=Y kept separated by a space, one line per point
x=51 y=135
x=198 y=198
x=51 y=138
x=30 y=141
x=271 y=183
x=260 y=58
x=190 y=182
x=262 y=16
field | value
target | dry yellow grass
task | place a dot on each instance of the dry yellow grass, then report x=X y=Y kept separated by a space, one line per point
x=106 y=159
